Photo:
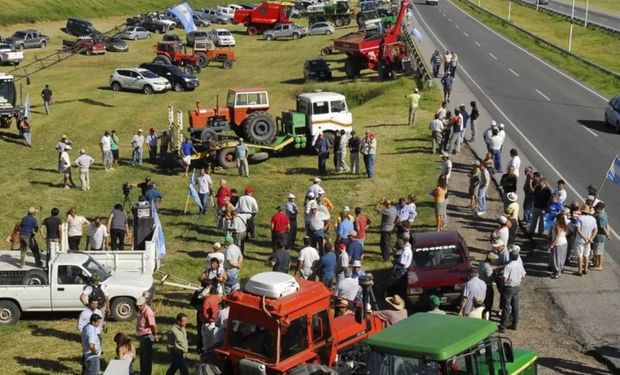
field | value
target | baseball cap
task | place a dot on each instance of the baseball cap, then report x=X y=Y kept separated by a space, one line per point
x=63 y=137
x=291 y=196
x=342 y=246
x=228 y=239
x=435 y=300
x=497 y=242
x=140 y=130
x=32 y=210
x=356 y=263
x=140 y=301
x=217 y=246
x=316 y=179
x=314 y=206
x=501 y=125
x=346 y=209
x=502 y=219
x=493 y=123
x=249 y=190
x=82 y=151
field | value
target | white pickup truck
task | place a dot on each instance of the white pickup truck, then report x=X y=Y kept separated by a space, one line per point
x=31 y=289
x=9 y=55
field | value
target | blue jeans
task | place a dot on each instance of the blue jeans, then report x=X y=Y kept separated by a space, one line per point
x=317 y=237
x=91 y=366
x=46 y=104
x=177 y=362
x=436 y=69
x=497 y=160
x=482 y=199
x=136 y=156
x=528 y=205
x=204 y=198
x=28 y=138
x=369 y=162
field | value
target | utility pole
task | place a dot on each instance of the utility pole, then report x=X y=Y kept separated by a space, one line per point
x=570 y=33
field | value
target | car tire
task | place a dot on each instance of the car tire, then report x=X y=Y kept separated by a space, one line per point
x=269 y=37
x=326 y=51
x=135 y=37
x=148 y=36
x=328 y=32
x=20 y=47
x=123 y=309
x=35 y=277
x=147 y=90
x=258 y=157
x=9 y=312
x=296 y=36
x=116 y=86
x=43 y=44
x=178 y=87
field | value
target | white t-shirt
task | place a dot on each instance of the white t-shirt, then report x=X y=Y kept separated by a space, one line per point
x=446 y=168
x=406 y=256
x=247 y=205
x=561 y=195
x=442 y=113
x=495 y=142
x=516 y=163
x=137 y=141
x=105 y=143
x=85 y=318
x=203 y=183
x=97 y=236
x=436 y=125
x=308 y=256
x=587 y=226
x=75 y=225
x=348 y=288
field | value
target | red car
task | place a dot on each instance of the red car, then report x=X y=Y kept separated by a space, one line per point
x=439 y=267
x=85 y=45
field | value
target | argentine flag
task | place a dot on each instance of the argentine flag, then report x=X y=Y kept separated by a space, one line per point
x=158 y=235
x=613 y=174
x=27 y=106
x=192 y=190
x=185 y=15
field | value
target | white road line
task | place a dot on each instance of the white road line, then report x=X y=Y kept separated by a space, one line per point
x=449 y=19
x=543 y=95
x=492 y=55
x=467 y=35
x=457 y=26
x=513 y=72
x=478 y=44
x=540 y=154
x=590 y=130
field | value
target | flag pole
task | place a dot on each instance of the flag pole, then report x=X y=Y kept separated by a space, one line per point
x=188 y=195
x=600 y=187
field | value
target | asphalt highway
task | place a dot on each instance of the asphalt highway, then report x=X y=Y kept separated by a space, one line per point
x=596 y=15
x=555 y=120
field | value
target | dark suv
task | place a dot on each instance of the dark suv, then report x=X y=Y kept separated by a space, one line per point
x=179 y=80
x=317 y=69
x=440 y=266
x=79 y=27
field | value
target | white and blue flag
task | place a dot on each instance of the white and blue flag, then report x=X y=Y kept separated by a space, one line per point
x=192 y=191
x=613 y=174
x=185 y=15
x=27 y=106
x=158 y=235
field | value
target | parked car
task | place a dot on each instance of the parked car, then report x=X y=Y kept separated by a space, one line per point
x=285 y=30
x=321 y=28
x=85 y=45
x=149 y=22
x=179 y=80
x=195 y=35
x=222 y=38
x=134 y=33
x=201 y=20
x=79 y=27
x=215 y=16
x=436 y=2
x=164 y=19
x=9 y=55
x=226 y=11
x=116 y=44
x=138 y=79
x=29 y=38
x=612 y=113
x=171 y=38
x=317 y=69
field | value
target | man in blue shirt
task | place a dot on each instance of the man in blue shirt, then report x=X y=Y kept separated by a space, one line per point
x=91 y=346
x=355 y=248
x=327 y=266
x=187 y=150
x=153 y=195
x=344 y=228
x=322 y=146
x=28 y=227
x=447 y=82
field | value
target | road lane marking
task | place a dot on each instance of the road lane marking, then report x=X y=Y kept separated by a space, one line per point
x=508 y=120
x=457 y=26
x=513 y=72
x=467 y=35
x=478 y=44
x=492 y=55
x=449 y=19
x=543 y=95
x=590 y=130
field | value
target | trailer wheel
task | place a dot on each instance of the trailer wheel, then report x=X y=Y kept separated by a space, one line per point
x=9 y=312
x=123 y=309
x=326 y=51
x=227 y=64
x=203 y=60
x=339 y=22
x=226 y=158
x=208 y=135
x=252 y=30
x=35 y=277
x=351 y=68
x=162 y=59
x=259 y=128
x=258 y=157
x=5 y=122
x=312 y=369
x=347 y=20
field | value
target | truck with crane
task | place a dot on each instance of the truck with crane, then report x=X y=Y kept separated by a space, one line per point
x=263 y=17
x=387 y=52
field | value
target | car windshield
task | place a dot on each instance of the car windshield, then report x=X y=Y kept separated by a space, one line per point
x=200 y=34
x=223 y=33
x=97 y=269
x=115 y=39
x=4 y=46
x=436 y=256
x=7 y=93
x=318 y=63
x=253 y=338
x=149 y=74
x=19 y=35
x=387 y=364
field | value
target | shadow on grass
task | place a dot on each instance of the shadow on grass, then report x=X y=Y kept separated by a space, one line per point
x=47 y=365
x=410 y=150
x=301 y=171
x=69 y=336
x=11 y=138
x=50 y=170
x=49 y=184
x=566 y=366
x=382 y=125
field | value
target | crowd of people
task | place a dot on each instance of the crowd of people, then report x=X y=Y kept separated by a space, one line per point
x=342 y=143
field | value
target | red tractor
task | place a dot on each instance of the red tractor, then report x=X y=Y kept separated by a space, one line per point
x=285 y=325
x=173 y=52
x=263 y=17
x=245 y=113
x=386 y=52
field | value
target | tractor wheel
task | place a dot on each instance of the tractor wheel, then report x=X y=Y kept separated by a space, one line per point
x=258 y=157
x=226 y=158
x=259 y=128
x=5 y=122
x=312 y=369
x=384 y=71
x=339 y=22
x=178 y=87
x=227 y=64
x=162 y=59
x=326 y=51
x=351 y=68
x=208 y=135
x=203 y=60
x=252 y=30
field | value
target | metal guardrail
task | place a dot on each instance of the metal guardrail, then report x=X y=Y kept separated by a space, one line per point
x=545 y=42
x=417 y=59
x=576 y=20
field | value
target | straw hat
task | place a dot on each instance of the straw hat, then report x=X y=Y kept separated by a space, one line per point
x=396 y=302
x=585 y=209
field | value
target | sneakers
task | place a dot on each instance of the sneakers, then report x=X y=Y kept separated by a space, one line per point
x=481 y=213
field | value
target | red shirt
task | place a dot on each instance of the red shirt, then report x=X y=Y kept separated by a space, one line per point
x=222 y=193
x=210 y=308
x=361 y=222
x=280 y=222
x=146 y=320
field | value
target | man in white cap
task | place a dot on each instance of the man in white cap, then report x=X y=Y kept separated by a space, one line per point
x=314 y=188
x=307 y=260
x=146 y=330
x=65 y=168
x=137 y=146
x=474 y=289
x=317 y=223
x=290 y=210
x=396 y=313
x=414 y=99
x=106 y=150
x=83 y=162
x=488 y=133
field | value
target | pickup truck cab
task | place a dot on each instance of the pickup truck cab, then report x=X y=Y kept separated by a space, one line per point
x=29 y=38
x=440 y=266
x=9 y=55
x=285 y=30
x=434 y=344
x=31 y=289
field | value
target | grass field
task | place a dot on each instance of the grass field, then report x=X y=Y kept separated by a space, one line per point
x=591 y=44
x=84 y=107
x=607 y=6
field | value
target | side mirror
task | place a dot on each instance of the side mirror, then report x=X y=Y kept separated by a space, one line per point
x=508 y=353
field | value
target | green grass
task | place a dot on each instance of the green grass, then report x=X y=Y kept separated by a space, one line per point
x=607 y=6
x=594 y=45
x=85 y=107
